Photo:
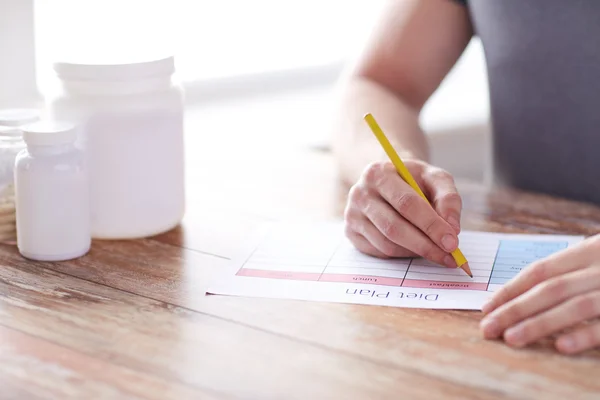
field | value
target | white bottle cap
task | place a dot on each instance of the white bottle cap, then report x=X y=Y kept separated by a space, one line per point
x=47 y=133
x=117 y=71
x=18 y=116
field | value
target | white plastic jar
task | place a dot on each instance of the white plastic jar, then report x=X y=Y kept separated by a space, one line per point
x=131 y=131
x=51 y=194
x=11 y=144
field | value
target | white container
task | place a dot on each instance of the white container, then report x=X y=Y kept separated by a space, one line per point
x=11 y=143
x=51 y=194
x=131 y=120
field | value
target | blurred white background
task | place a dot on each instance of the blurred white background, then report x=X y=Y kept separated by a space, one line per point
x=240 y=59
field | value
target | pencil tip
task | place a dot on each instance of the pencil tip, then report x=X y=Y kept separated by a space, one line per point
x=465 y=267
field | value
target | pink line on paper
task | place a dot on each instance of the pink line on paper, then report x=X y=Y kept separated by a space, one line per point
x=444 y=285
x=373 y=280
x=295 y=276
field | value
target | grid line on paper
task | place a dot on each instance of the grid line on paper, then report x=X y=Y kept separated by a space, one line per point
x=371 y=264
x=446 y=268
x=406 y=272
x=445 y=274
x=395 y=269
x=330 y=258
x=493 y=265
x=247 y=259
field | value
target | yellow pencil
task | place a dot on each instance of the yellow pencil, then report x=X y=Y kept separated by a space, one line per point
x=460 y=259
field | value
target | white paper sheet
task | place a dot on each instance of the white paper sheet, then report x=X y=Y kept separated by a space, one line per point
x=314 y=261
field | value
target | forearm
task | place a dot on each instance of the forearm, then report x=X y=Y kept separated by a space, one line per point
x=355 y=146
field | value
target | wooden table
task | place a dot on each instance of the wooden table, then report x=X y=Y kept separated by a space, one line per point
x=131 y=320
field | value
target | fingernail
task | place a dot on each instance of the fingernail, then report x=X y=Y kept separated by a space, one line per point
x=449 y=262
x=490 y=327
x=566 y=344
x=515 y=336
x=454 y=221
x=449 y=242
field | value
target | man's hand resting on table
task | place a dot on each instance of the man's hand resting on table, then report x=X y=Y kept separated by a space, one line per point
x=557 y=293
x=385 y=217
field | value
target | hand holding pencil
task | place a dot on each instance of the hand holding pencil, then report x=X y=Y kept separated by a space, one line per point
x=404 y=209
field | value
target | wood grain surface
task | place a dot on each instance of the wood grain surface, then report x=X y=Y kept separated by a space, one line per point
x=131 y=318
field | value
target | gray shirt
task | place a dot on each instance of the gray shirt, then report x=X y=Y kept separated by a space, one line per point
x=543 y=61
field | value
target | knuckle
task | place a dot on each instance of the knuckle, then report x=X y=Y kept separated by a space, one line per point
x=389 y=230
x=348 y=231
x=354 y=226
x=538 y=271
x=588 y=305
x=432 y=227
x=557 y=288
x=513 y=313
x=451 y=198
x=347 y=213
x=434 y=173
x=369 y=208
x=374 y=172
x=387 y=167
x=353 y=194
x=406 y=202
x=350 y=212
x=358 y=195
x=416 y=166
x=538 y=327
x=351 y=197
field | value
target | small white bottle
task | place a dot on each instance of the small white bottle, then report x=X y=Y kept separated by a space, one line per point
x=51 y=194
x=11 y=143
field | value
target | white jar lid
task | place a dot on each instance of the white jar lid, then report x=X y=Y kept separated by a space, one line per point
x=115 y=71
x=46 y=133
x=18 y=116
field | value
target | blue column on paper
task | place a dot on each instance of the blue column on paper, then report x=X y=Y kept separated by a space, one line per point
x=514 y=255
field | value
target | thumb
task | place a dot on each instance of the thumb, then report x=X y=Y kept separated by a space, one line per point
x=442 y=193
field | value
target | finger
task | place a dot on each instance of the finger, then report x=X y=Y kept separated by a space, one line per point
x=417 y=211
x=363 y=245
x=542 y=297
x=401 y=232
x=365 y=227
x=584 y=338
x=578 y=309
x=357 y=224
x=559 y=263
x=443 y=194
